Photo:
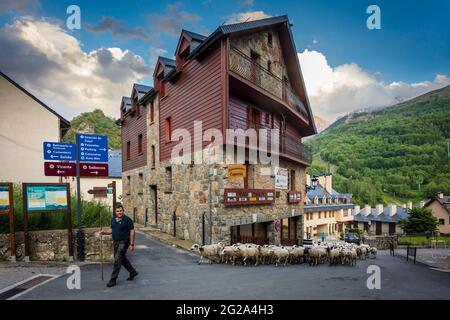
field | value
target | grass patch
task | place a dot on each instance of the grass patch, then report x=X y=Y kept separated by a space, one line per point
x=421 y=240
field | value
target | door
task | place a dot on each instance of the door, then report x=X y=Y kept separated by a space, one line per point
x=378 y=228
x=391 y=228
x=154 y=197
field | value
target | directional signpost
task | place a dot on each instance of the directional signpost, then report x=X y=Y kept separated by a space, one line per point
x=93 y=169
x=60 y=169
x=89 y=152
x=57 y=151
x=92 y=148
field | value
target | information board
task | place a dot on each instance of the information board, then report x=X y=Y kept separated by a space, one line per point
x=281 y=178
x=4 y=198
x=46 y=198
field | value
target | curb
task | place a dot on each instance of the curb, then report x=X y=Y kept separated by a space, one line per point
x=154 y=237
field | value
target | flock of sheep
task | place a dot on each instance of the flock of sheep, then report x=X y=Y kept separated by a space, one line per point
x=338 y=252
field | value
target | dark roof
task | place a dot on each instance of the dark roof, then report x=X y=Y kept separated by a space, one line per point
x=142 y=88
x=195 y=36
x=147 y=96
x=320 y=192
x=115 y=163
x=402 y=213
x=127 y=102
x=248 y=25
x=168 y=62
x=63 y=120
x=442 y=202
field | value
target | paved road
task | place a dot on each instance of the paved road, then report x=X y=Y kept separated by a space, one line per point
x=169 y=273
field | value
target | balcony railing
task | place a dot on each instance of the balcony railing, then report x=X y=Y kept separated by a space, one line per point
x=288 y=145
x=247 y=68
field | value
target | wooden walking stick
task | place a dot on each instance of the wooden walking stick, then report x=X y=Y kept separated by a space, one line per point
x=101 y=245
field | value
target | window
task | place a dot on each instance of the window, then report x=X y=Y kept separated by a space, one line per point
x=292 y=176
x=441 y=221
x=141 y=183
x=168 y=179
x=128 y=185
x=153 y=156
x=164 y=89
x=269 y=66
x=138 y=110
x=140 y=144
x=168 y=129
x=128 y=150
x=152 y=112
x=269 y=39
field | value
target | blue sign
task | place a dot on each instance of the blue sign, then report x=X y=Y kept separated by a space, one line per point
x=92 y=148
x=59 y=151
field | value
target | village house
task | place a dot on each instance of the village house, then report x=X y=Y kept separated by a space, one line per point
x=380 y=220
x=26 y=123
x=241 y=76
x=440 y=206
x=326 y=210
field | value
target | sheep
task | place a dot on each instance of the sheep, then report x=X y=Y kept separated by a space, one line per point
x=373 y=251
x=250 y=252
x=314 y=255
x=266 y=254
x=279 y=254
x=297 y=254
x=333 y=255
x=211 y=252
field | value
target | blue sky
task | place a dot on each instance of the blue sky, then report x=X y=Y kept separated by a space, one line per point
x=412 y=46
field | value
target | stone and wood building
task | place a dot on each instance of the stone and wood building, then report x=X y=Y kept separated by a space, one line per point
x=440 y=207
x=326 y=210
x=241 y=76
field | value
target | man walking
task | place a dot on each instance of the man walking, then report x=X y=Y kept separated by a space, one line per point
x=124 y=236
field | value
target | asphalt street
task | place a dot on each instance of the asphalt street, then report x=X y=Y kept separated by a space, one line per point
x=166 y=272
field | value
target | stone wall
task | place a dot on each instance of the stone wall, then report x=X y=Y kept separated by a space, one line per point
x=380 y=242
x=52 y=245
x=194 y=194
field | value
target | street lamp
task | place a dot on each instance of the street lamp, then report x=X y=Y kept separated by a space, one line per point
x=314 y=183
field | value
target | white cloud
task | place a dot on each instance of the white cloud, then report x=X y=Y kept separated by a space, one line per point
x=51 y=63
x=246 y=16
x=334 y=92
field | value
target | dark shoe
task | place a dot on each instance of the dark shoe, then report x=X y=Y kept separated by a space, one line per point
x=111 y=283
x=132 y=275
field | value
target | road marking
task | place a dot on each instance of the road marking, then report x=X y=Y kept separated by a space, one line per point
x=18 y=284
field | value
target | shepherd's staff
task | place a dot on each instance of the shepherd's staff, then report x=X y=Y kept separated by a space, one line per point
x=101 y=245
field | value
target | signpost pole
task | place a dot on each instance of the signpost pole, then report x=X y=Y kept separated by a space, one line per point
x=11 y=223
x=26 y=238
x=80 y=235
x=114 y=195
x=69 y=224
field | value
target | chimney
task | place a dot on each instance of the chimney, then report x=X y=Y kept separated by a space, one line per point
x=409 y=205
x=404 y=205
x=308 y=180
x=440 y=195
x=379 y=209
x=422 y=204
x=328 y=182
x=392 y=210
x=357 y=209
x=368 y=210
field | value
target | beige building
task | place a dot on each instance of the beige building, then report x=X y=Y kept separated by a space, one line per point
x=440 y=206
x=26 y=122
x=326 y=210
x=380 y=220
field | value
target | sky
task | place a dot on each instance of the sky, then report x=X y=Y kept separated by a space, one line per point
x=346 y=66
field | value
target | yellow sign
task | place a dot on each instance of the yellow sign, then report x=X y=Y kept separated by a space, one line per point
x=236 y=172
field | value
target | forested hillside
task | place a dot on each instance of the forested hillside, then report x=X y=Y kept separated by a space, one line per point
x=389 y=154
x=95 y=122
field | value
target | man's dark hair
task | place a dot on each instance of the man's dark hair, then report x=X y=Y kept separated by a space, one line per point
x=119 y=206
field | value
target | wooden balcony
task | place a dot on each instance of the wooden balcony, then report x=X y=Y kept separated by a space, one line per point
x=242 y=197
x=289 y=146
x=243 y=66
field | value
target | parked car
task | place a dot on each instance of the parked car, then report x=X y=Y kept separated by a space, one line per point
x=353 y=238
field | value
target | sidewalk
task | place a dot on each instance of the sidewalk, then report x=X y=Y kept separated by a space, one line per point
x=167 y=238
x=435 y=258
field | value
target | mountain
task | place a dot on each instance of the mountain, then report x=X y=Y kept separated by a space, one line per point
x=321 y=124
x=95 y=122
x=394 y=154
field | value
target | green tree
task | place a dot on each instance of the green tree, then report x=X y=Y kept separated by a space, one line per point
x=420 y=220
